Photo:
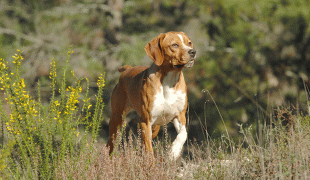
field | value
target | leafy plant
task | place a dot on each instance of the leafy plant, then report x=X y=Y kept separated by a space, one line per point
x=40 y=137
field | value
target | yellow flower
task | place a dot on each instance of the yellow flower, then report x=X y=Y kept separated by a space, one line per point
x=56 y=103
x=70 y=52
x=101 y=82
x=23 y=83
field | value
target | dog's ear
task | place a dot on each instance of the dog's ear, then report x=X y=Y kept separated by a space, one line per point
x=154 y=49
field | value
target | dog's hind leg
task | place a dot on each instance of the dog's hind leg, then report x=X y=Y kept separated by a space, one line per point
x=147 y=136
x=120 y=108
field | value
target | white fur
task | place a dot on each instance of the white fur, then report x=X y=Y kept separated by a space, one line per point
x=179 y=140
x=184 y=46
x=168 y=102
x=167 y=105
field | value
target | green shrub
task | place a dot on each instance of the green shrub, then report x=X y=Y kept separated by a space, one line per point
x=40 y=137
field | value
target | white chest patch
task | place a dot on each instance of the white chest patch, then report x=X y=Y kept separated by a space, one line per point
x=169 y=102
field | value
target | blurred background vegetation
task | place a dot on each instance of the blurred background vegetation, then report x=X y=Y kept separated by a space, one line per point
x=253 y=56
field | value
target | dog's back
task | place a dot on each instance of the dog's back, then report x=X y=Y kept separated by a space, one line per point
x=124 y=68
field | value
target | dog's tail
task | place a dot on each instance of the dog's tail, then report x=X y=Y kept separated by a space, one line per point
x=124 y=68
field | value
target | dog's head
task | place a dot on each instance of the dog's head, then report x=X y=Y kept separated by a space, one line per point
x=172 y=48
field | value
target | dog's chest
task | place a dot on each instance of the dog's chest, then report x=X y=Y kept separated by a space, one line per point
x=168 y=102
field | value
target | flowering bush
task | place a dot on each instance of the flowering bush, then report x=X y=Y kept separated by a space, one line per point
x=39 y=137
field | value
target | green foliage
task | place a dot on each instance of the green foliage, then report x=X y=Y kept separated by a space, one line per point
x=258 y=49
x=40 y=137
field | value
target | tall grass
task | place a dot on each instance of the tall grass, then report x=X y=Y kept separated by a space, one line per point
x=284 y=154
x=45 y=142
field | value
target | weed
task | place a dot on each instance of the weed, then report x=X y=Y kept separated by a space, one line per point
x=40 y=137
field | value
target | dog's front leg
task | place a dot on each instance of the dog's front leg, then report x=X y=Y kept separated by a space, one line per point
x=147 y=136
x=179 y=124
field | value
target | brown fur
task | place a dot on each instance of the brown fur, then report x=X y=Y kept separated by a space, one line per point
x=138 y=85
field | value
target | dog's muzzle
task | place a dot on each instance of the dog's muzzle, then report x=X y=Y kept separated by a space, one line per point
x=191 y=62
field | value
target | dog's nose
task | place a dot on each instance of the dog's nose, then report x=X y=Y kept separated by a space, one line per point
x=192 y=52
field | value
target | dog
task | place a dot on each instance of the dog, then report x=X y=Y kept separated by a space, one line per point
x=157 y=93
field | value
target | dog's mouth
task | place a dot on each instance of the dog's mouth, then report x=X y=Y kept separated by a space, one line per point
x=179 y=66
x=189 y=64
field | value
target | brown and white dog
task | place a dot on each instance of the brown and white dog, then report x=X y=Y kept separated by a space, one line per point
x=157 y=93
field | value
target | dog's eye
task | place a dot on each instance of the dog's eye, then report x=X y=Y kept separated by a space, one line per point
x=175 y=45
x=189 y=43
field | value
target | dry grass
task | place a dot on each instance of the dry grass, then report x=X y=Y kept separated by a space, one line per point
x=129 y=162
x=283 y=154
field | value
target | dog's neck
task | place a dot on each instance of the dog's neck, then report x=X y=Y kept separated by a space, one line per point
x=167 y=75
